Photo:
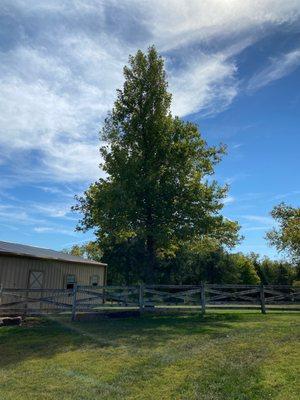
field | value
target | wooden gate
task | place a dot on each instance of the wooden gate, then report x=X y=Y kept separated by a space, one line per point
x=34 y=301
x=93 y=297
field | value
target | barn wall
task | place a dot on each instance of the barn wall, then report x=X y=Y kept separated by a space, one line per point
x=14 y=272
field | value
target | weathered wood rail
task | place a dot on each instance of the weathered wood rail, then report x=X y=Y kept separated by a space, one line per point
x=148 y=297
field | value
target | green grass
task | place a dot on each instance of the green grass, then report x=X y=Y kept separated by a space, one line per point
x=228 y=355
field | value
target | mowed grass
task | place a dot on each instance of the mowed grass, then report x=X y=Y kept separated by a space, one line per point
x=228 y=355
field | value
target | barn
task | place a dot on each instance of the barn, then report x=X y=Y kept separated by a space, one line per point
x=28 y=267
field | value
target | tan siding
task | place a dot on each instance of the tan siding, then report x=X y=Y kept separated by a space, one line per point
x=14 y=272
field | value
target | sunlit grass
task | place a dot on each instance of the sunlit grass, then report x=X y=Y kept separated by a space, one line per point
x=232 y=356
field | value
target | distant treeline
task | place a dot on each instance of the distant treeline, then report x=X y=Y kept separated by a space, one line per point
x=190 y=266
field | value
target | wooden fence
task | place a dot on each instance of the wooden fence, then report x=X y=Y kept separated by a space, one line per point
x=147 y=298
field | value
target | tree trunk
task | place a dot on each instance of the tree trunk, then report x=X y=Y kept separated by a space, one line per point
x=151 y=260
x=150 y=243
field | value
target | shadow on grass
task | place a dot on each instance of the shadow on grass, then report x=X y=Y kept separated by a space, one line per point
x=44 y=337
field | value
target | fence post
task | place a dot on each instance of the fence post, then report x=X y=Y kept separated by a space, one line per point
x=203 y=303
x=1 y=289
x=74 y=304
x=141 y=297
x=262 y=299
x=103 y=295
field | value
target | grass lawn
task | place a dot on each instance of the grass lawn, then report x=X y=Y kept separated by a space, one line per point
x=226 y=355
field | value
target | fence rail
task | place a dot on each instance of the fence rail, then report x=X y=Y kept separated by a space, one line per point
x=148 y=297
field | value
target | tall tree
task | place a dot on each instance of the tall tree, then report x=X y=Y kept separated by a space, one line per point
x=156 y=189
x=286 y=238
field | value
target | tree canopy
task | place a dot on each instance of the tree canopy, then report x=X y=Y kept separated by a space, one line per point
x=159 y=192
x=286 y=237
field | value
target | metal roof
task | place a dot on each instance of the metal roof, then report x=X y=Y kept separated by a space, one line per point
x=17 y=249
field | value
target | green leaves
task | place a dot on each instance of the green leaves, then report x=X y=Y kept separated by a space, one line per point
x=157 y=167
x=286 y=238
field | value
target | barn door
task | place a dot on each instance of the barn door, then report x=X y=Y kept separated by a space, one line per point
x=35 y=281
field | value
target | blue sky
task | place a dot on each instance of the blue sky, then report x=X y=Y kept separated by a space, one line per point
x=233 y=68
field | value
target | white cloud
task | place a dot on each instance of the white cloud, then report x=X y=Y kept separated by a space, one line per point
x=17 y=215
x=229 y=200
x=179 y=22
x=237 y=145
x=208 y=84
x=256 y=228
x=48 y=229
x=240 y=176
x=282 y=196
x=58 y=81
x=261 y=219
x=52 y=210
x=62 y=192
x=28 y=218
x=278 y=68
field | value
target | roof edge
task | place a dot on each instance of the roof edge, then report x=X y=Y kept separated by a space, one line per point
x=82 y=261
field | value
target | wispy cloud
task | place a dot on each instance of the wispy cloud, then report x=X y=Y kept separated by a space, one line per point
x=18 y=215
x=33 y=214
x=63 y=192
x=237 y=145
x=282 y=196
x=229 y=200
x=268 y=221
x=278 y=68
x=255 y=228
x=36 y=220
x=207 y=84
x=58 y=80
x=48 y=229
x=52 y=210
x=239 y=176
x=69 y=244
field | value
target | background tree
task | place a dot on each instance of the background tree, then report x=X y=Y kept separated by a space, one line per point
x=156 y=196
x=211 y=265
x=286 y=238
x=192 y=263
x=90 y=250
